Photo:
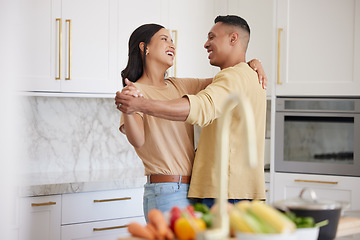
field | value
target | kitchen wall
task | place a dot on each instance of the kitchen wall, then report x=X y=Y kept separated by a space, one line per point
x=73 y=134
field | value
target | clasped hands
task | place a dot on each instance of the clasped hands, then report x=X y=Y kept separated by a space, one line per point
x=129 y=98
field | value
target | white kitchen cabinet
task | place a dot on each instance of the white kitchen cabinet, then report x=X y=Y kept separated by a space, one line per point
x=101 y=230
x=101 y=215
x=89 y=215
x=260 y=15
x=40 y=218
x=267 y=192
x=68 y=46
x=188 y=32
x=318 y=48
x=192 y=31
x=37 y=40
x=326 y=187
x=147 y=11
x=95 y=206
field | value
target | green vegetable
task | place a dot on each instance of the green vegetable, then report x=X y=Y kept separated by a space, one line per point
x=199 y=207
x=208 y=219
x=322 y=223
x=207 y=216
x=305 y=222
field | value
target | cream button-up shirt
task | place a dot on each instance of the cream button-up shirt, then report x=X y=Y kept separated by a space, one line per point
x=205 y=109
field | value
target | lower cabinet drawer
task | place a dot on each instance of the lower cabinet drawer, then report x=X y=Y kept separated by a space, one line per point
x=334 y=188
x=102 y=230
x=103 y=205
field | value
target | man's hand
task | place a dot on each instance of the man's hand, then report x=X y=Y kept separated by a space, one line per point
x=123 y=98
x=127 y=103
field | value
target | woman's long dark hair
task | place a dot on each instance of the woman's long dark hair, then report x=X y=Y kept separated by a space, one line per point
x=135 y=65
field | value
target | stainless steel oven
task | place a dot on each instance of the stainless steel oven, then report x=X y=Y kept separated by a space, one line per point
x=318 y=135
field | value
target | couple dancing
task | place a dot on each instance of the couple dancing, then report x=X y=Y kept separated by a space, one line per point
x=159 y=113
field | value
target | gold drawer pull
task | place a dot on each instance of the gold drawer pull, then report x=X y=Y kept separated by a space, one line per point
x=68 y=77
x=312 y=181
x=43 y=204
x=109 y=228
x=58 y=77
x=112 y=200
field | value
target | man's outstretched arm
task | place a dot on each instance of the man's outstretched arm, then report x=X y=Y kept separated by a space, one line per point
x=175 y=110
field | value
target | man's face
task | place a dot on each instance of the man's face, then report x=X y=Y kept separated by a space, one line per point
x=218 y=45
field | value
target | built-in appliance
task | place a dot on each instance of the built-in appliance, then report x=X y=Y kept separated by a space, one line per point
x=318 y=135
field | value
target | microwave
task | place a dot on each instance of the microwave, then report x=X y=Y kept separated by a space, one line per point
x=317 y=135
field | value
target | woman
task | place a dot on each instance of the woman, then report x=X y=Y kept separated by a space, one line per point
x=165 y=147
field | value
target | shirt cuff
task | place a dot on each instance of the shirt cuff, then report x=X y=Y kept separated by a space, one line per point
x=192 y=117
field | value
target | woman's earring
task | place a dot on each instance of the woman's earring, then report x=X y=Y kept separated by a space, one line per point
x=147 y=51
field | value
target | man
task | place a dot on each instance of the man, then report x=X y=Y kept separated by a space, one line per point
x=227 y=44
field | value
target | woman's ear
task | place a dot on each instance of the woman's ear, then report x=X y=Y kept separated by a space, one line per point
x=141 y=46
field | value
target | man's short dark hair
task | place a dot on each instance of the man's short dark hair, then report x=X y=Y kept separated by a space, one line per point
x=233 y=21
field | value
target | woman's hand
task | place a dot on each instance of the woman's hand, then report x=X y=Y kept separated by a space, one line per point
x=130 y=89
x=256 y=65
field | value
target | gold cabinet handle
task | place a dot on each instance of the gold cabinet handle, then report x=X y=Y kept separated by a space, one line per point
x=43 y=204
x=69 y=50
x=278 y=57
x=58 y=77
x=112 y=200
x=109 y=228
x=312 y=181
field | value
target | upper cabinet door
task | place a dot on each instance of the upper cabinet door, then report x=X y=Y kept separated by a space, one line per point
x=318 y=47
x=88 y=45
x=38 y=35
x=131 y=15
x=260 y=16
x=68 y=46
x=190 y=32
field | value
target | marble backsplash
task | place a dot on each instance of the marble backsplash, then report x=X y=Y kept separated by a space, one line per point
x=72 y=134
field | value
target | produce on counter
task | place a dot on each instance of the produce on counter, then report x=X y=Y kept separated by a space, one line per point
x=305 y=222
x=182 y=223
x=206 y=215
x=137 y=230
x=185 y=223
x=258 y=217
x=175 y=214
x=156 y=228
x=186 y=228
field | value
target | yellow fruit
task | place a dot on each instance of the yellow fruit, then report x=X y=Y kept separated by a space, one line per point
x=273 y=217
x=201 y=224
x=238 y=221
x=243 y=205
x=183 y=228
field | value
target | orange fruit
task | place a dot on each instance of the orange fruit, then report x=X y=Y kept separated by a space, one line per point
x=184 y=230
x=201 y=224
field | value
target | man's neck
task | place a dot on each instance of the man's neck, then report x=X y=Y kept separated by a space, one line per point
x=233 y=60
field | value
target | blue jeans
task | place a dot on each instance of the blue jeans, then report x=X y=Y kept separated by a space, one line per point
x=211 y=201
x=164 y=196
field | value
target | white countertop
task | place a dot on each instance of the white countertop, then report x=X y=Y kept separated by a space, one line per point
x=51 y=183
x=39 y=184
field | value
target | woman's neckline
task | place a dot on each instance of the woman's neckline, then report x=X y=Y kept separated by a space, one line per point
x=156 y=86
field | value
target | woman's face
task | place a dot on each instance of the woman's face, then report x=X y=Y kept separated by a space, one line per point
x=161 y=48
